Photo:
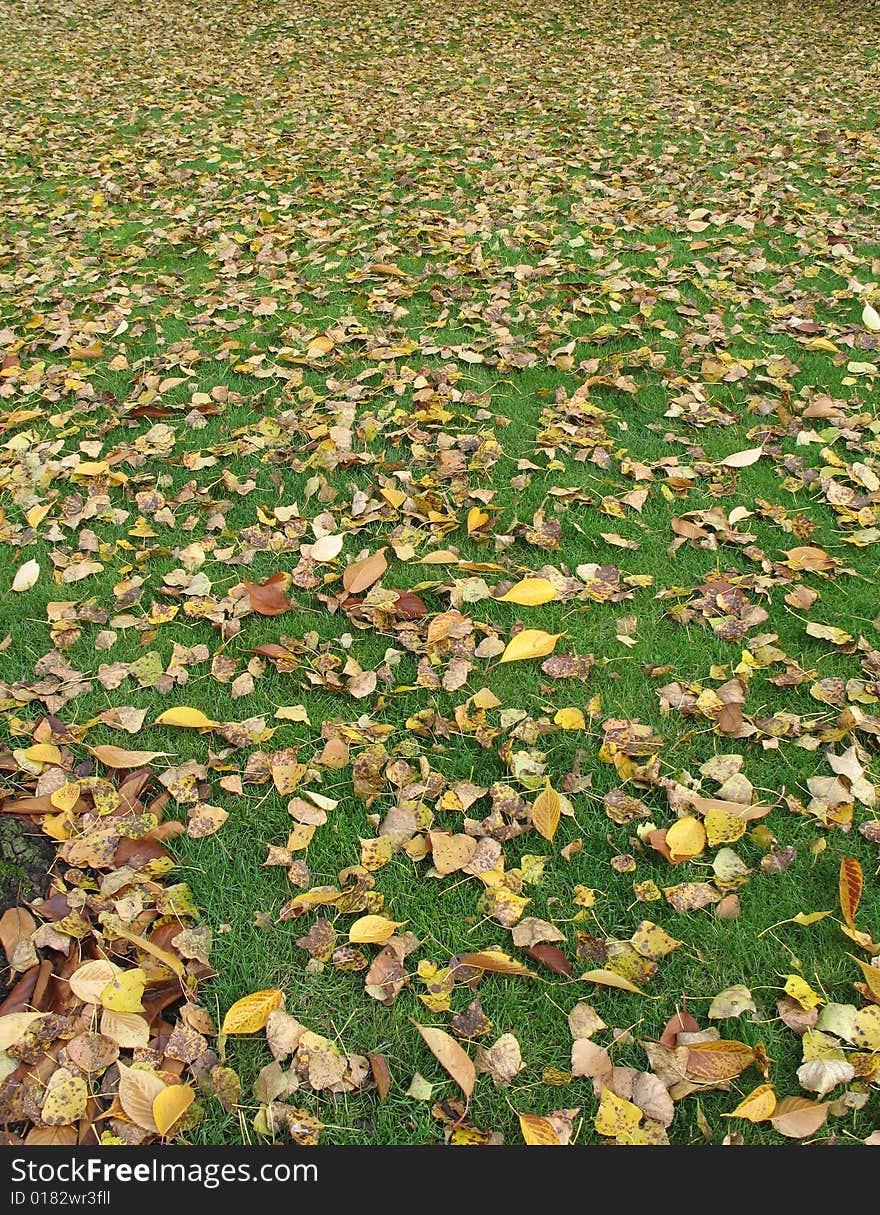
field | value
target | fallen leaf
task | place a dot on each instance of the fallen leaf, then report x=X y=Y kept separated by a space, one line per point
x=537 y=1131
x=758 y=1106
x=373 y=930
x=450 y=1056
x=851 y=882
x=189 y=719
x=798 y=1117
x=530 y=592
x=170 y=1105
x=26 y=576
x=546 y=810
x=529 y=643
x=250 y=1014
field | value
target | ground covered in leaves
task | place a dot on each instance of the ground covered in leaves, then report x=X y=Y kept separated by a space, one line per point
x=440 y=503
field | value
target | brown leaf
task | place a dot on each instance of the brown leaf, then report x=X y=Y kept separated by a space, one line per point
x=269 y=598
x=381 y=1074
x=551 y=957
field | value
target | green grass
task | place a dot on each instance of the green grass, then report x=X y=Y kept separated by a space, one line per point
x=543 y=196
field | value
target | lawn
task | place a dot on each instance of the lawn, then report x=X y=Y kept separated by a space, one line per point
x=457 y=424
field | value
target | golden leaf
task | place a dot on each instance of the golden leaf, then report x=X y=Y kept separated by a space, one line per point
x=538 y=1132
x=123 y=993
x=546 y=810
x=531 y=592
x=850 y=885
x=373 y=930
x=496 y=961
x=610 y=978
x=188 y=719
x=170 y=1104
x=530 y=643
x=616 y=1117
x=250 y=1014
x=758 y=1106
x=570 y=719
x=686 y=838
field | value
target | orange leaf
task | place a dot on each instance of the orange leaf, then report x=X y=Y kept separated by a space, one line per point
x=851 y=882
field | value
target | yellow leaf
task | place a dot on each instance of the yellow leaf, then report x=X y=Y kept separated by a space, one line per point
x=37 y=514
x=809 y=917
x=546 y=811
x=610 y=978
x=758 y=1106
x=570 y=719
x=686 y=838
x=872 y=976
x=43 y=753
x=66 y=1098
x=496 y=961
x=800 y=990
x=123 y=993
x=538 y=1132
x=476 y=519
x=616 y=1118
x=652 y=942
x=865 y=1033
x=530 y=643
x=250 y=1014
x=116 y=926
x=373 y=930
x=170 y=1105
x=531 y=592
x=66 y=797
x=189 y=719
x=724 y=828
